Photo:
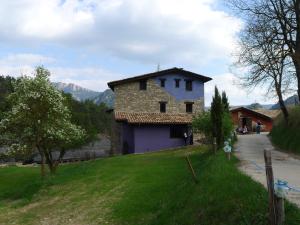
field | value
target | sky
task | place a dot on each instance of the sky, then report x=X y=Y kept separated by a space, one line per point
x=92 y=42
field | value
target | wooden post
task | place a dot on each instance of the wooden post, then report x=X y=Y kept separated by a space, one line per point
x=280 y=210
x=215 y=144
x=270 y=183
x=228 y=155
x=191 y=168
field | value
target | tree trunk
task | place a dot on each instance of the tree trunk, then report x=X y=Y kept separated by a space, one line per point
x=296 y=55
x=42 y=161
x=282 y=105
x=297 y=68
x=51 y=166
x=42 y=165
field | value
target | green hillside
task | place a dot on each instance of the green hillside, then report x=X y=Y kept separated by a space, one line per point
x=287 y=135
x=155 y=188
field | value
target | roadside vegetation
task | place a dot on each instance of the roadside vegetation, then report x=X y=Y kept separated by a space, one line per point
x=153 y=188
x=216 y=122
x=286 y=135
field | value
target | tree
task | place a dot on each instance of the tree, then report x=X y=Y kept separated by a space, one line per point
x=39 y=121
x=225 y=102
x=217 y=109
x=265 y=45
x=6 y=88
x=202 y=123
x=276 y=23
x=217 y=122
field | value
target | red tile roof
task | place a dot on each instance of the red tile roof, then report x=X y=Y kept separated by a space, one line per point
x=154 y=118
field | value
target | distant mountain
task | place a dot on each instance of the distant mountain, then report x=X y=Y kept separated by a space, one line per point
x=292 y=100
x=254 y=106
x=79 y=93
x=82 y=94
x=251 y=106
x=107 y=97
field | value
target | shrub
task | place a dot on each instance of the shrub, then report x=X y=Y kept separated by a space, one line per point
x=287 y=135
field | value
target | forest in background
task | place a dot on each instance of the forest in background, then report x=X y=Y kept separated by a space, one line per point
x=91 y=117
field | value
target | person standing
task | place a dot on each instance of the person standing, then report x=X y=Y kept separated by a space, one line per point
x=258 y=125
x=185 y=136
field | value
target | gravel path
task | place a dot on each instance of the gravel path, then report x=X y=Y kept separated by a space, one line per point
x=249 y=149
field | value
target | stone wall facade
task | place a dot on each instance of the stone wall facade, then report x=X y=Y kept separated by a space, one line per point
x=129 y=98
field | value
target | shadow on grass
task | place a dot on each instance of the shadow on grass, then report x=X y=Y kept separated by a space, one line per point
x=19 y=183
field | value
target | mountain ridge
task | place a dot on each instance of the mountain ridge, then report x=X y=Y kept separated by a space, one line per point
x=82 y=94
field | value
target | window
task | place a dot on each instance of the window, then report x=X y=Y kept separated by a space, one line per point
x=189 y=85
x=189 y=107
x=177 y=81
x=162 y=106
x=143 y=85
x=162 y=82
x=176 y=131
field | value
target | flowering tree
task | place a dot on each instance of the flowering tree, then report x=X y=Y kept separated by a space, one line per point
x=39 y=121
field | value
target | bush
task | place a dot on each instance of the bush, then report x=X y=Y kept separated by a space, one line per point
x=227 y=125
x=286 y=135
x=202 y=124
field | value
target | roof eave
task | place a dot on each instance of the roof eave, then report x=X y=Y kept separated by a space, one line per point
x=112 y=84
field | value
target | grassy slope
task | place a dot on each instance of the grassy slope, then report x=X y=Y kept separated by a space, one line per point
x=287 y=136
x=152 y=188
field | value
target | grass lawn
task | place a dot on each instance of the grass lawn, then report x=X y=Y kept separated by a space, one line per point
x=155 y=188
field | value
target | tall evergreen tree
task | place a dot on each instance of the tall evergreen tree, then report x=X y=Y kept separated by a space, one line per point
x=225 y=101
x=217 y=117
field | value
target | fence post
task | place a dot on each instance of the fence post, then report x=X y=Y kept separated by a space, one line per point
x=228 y=155
x=215 y=144
x=280 y=210
x=191 y=168
x=270 y=183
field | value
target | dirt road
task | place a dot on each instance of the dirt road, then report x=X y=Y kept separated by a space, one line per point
x=249 y=149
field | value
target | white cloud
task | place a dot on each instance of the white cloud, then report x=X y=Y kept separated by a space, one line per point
x=22 y=63
x=237 y=95
x=94 y=78
x=149 y=31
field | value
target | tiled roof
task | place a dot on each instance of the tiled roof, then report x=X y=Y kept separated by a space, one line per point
x=154 y=118
x=271 y=113
x=112 y=84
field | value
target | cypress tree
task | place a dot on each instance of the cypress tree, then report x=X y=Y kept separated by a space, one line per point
x=217 y=117
x=225 y=102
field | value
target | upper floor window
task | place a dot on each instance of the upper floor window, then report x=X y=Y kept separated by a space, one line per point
x=189 y=107
x=177 y=82
x=163 y=107
x=162 y=82
x=143 y=85
x=188 y=85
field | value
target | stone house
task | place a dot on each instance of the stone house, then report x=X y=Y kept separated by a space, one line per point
x=154 y=110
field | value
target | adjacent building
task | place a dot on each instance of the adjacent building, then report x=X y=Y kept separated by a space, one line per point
x=242 y=116
x=153 y=111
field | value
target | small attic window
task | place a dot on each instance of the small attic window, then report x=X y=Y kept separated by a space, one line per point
x=143 y=85
x=162 y=82
x=188 y=85
x=177 y=83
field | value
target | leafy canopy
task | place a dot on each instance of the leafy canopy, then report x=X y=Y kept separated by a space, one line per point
x=38 y=119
